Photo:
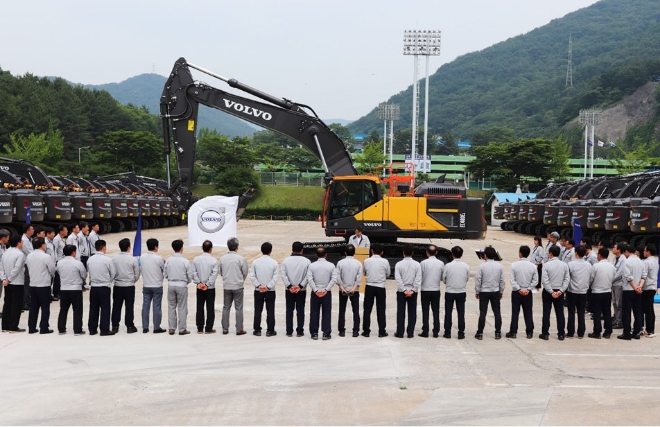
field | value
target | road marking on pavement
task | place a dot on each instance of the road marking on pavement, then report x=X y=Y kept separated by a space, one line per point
x=602 y=355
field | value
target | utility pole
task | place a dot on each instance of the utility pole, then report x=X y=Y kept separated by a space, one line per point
x=569 y=69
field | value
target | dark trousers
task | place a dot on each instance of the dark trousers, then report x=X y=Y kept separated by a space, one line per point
x=432 y=299
x=576 y=303
x=320 y=307
x=632 y=301
x=494 y=299
x=459 y=299
x=371 y=294
x=649 y=311
x=99 y=303
x=601 y=307
x=11 y=310
x=71 y=299
x=539 y=269
x=267 y=299
x=355 y=305
x=121 y=295
x=548 y=304
x=297 y=302
x=40 y=300
x=26 y=290
x=56 y=285
x=526 y=302
x=402 y=303
x=205 y=299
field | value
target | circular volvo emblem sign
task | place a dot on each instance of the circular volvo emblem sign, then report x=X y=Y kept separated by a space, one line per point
x=212 y=220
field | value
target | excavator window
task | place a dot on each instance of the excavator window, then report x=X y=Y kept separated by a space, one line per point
x=350 y=197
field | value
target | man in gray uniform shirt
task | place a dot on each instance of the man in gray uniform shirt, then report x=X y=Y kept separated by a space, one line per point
x=376 y=270
x=489 y=285
x=650 y=288
x=576 y=296
x=430 y=292
x=59 y=241
x=93 y=236
x=72 y=276
x=524 y=276
x=264 y=275
x=178 y=272
x=455 y=275
x=602 y=276
x=569 y=252
x=234 y=271
x=13 y=264
x=349 y=279
x=322 y=277
x=408 y=276
x=634 y=277
x=4 y=240
x=42 y=270
x=205 y=271
x=295 y=269
x=101 y=274
x=153 y=273
x=555 y=279
x=359 y=240
x=28 y=232
x=617 y=285
x=128 y=272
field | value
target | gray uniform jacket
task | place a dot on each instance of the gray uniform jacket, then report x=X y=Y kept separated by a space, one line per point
x=264 y=271
x=322 y=275
x=592 y=258
x=489 y=277
x=408 y=275
x=127 y=270
x=651 y=283
x=41 y=267
x=602 y=277
x=83 y=245
x=359 y=242
x=74 y=239
x=580 y=272
x=376 y=270
x=50 y=250
x=101 y=270
x=152 y=266
x=234 y=271
x=178 y=271
x=13 y=261
x=555 y=276
x=27 y=245
x=568 y=255
x=205 y=270
x=456 y=275
x=72 y=274
x=634 y=272
x=349 y=272
x=3 y=275
x=536 y=257
x=59 y=244
x=620 y=266
x=92 y=238
x=523 y=275
x=547 y=250
x=295 y=270
x=431 y=273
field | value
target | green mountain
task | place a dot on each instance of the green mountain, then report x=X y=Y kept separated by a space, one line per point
x=521 y=83
x=145 y=89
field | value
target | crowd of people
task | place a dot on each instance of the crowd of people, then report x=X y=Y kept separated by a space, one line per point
x=45 y=265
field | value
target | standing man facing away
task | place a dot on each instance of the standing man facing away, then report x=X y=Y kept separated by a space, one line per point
x=295 y=269
x=555 y=279
x=408 y=276
x=602 y=277
x=579 y=271
x=455 y=275
x=178 y=272
x=634 y=277
x=42 y=270
x=205 y=272
x=349 y=276
x=153 y=274
x=650 y=288
x=101 y=275
x=524 y=277
x=322 y=277
x=72 y=277
x=234 y=271
x=617 y=285
x=376 y=270
x=359 y=240
x=489 y=285
x=13 y=263
x=28 y=232
x=430 y=292
x=264 y=275
x=51 y=252
x=59 y=241
x=127 y=273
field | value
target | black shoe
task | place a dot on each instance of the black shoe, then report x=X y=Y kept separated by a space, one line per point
x=159 y=331
x=398 y=336
x=210 y=331
x=560 y=337
x=461 y=335
x=342 y=334
x=131 y=330
x=479 y=336
x=423 y=334
x=93 y=332
x=145 y=330
x=617 y=326
x=530 y=335
x=11 y=331
x=594 y=335
x=356 y=334
x=411 y=335
x=200 y=331
x=436 y=334
x=54 y=298
x=498 y=335
x=107 y=334
x=544 y=337
x=365 y=334
x=607 y=336
x=636 y=336
x=33 y=331
x=302 y=335
x=256 y=333
x=79 y=333
x=289 y=335
x=446 y=335
x=326 y=337
x=61 y=333
x=271 y=333
x=315 y=336
x=184 y=332
x=225 y=331
x=382 y=334
x=624 y=337
x=510 y=335
x=115 y=329
x=50 y=331
x=569 y=336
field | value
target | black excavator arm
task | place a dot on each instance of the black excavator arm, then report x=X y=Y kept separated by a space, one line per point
x=179 y=106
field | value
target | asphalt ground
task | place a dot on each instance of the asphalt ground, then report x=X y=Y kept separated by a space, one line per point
x=148 y=379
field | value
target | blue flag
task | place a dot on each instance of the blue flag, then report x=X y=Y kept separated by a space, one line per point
x=27 y=215
x=577 y=232
x=137 y=242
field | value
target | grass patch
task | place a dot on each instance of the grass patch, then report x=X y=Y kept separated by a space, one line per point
x=204 y=190
x=272 y=196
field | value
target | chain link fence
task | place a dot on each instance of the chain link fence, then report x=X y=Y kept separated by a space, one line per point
x=291 y=178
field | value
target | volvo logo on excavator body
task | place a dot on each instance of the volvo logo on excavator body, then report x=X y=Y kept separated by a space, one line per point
x=247 y=110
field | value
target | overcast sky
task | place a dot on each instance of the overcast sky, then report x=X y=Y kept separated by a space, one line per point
x=340 y=57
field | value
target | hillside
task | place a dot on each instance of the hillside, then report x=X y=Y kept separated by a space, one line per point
x=146 y=89
x=520 y=83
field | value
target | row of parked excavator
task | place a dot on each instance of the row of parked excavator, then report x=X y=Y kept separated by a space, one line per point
x=114 y=202
x=609 y=209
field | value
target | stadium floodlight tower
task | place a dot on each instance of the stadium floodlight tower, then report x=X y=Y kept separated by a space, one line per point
x=426 y=43
x=588 y=118
x=388 y=112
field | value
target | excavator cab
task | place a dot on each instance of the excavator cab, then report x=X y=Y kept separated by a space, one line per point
x=348 y=196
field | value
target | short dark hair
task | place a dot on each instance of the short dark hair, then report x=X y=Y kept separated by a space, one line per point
x=581 y=251
x=570 y=242
x=350 y=250
x=554 y=250
x=652 y=249
x=296 y=247
x=588 y=246
x=524 y=251
x=432 y=250
x=358 y=229
x=38 y=229
x=4 y=233
x=629 y=249
x=26 y=227
x=207 y=246
x=408 y=249
x=604 y=252
x=99 y=244
x=457 y=252
x=68 y=250
x=152 y=244
x=377 y=249
x=177 y=245
x=38 y=242
x=15 y=240
x=586 y=240
x=49 y=230
x=266 y=248
x=320 y=252
x=490 y=252
x=62 y=227
x=124 y=244
x=82 y=224
x=232 y=244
